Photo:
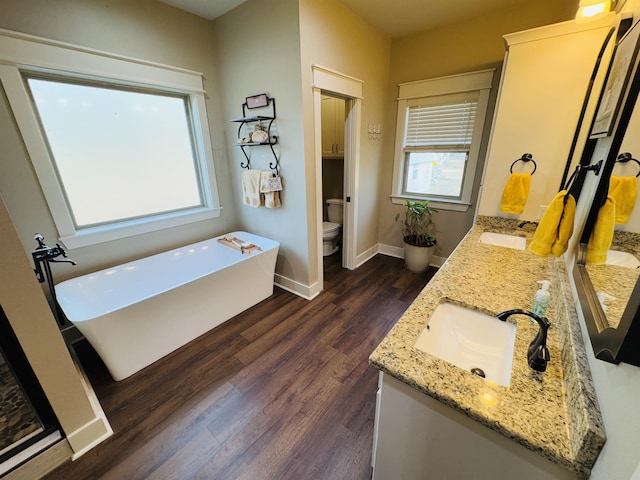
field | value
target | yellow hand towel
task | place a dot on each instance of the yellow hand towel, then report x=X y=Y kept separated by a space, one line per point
x=624 y=190
x=602 y=235
x=565 y=229
x=555 y=228
x=515 y=193
x=251 y=188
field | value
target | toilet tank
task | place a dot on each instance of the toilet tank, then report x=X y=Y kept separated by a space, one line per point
x=335 y=209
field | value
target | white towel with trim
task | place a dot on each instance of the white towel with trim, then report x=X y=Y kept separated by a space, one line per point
x=251 y=188
x=271 y=197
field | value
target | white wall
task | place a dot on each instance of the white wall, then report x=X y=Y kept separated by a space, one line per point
x=259 y=52
x=545 y=82
x=143 y=29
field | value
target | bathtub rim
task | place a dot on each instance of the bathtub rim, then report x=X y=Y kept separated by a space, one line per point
x=241 y=258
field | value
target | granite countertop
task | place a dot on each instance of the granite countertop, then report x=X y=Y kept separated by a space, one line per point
x=616 y=281
x=554 y=413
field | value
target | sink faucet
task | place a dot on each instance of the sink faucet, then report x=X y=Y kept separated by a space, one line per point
x=527 y=222
x=537 y=353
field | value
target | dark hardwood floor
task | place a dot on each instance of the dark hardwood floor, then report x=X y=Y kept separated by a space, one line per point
x=282 y=391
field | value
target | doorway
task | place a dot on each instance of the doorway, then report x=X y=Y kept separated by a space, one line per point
x=333 y=228
x=337 y=85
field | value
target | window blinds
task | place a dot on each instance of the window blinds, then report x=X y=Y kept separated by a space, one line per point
x=449 y=125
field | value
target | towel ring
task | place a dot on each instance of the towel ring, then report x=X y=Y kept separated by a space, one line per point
x=625 y=157
x=527 y=157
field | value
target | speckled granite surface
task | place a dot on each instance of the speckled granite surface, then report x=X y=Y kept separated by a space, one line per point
x=616 y=281
x=555 y=413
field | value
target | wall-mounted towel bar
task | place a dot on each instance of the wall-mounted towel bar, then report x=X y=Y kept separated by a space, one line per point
x=527 y=157
x=627 y=157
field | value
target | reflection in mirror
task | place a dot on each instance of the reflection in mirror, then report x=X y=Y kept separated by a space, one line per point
x=609 y=286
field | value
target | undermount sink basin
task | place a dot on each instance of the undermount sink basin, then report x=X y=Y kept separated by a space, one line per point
x=470 y=340
x=622 y=259
x=502 y=240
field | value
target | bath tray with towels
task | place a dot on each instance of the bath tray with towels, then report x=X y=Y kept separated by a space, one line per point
x=238 y=244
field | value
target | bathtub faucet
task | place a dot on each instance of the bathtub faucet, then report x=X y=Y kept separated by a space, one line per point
x=43 y=256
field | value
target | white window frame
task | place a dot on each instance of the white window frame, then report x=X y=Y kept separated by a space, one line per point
x=20 y=52
x=480 y=82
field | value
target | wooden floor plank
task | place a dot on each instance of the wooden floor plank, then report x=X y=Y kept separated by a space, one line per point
x=282 y=391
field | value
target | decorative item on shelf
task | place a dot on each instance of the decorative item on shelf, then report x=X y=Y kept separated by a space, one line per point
x=259 y=135
x=417 y=227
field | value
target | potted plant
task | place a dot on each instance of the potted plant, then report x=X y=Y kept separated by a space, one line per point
x=419 y=244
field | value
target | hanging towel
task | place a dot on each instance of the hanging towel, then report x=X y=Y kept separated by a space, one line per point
x=251 y=188
x=555 y=227
x=602 y=235
x=269 y=188
x=565 y=229
x=515 y=193
x=624 y=190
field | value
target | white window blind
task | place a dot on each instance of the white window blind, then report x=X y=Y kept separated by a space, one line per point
x=447 y=125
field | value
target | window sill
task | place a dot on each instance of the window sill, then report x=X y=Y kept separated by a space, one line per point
x=107 y=233
x=451 y=205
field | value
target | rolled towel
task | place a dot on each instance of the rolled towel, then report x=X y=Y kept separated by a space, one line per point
x=516 y=191
x=555 y=227
x=251 y=188
x=602 y=235
x=624 y=190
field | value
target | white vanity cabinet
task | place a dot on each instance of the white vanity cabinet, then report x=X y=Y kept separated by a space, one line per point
x=417 y=437
x=545 y=78
x=333 y=121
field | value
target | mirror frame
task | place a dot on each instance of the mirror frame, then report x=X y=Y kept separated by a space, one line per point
x=619 y=344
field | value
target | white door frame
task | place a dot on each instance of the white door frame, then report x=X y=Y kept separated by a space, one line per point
x=349 y=88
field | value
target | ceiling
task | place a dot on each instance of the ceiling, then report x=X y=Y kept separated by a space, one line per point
x=393 y=17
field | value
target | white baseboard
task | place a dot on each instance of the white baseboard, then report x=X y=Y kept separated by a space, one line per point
x=365 y=256
x=305 y=291
x=390 y=251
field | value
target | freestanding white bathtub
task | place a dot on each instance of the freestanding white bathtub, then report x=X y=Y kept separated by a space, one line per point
x=134 y=314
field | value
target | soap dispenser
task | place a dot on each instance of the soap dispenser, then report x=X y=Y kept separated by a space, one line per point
x=541 y=300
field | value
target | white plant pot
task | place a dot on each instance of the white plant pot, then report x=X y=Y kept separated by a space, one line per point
x=416 y=259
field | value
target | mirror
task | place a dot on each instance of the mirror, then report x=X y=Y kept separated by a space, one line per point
x=610 y=291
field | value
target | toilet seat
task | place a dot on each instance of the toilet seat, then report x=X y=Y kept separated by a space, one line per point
x=330 y=227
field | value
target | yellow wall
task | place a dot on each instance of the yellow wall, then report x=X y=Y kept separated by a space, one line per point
x=462 y=47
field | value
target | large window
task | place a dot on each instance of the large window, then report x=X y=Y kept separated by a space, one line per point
x=119 y=154
x=437 y=138
x=120 y=146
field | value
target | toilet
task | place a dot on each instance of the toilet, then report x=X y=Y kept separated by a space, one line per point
x=331 y=230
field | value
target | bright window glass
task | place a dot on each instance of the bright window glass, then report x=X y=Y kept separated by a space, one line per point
x=119 y=153
x=439 y=133
x=435 y=173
